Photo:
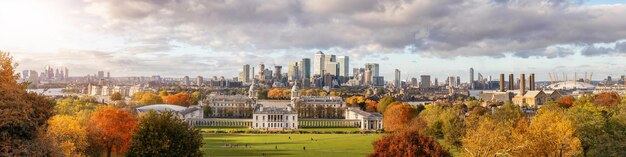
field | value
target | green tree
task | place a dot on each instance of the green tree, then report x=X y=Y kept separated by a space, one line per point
x=383 y=104
x=163 y=134
x=150 y=98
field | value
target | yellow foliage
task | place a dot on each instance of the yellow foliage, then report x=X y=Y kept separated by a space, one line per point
x=67 y=133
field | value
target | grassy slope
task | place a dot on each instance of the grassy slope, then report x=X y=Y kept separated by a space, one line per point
x=343 y=145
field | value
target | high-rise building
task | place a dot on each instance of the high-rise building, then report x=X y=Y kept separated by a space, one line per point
x=458 y=81
x=330 y=58
x=186 y=81
x=344 y=66
x=199 y=81
x=397 y=81
x=374 y=67
x=261 y=72
x=67 y=73
x=294 y=72
x=425 y=81
x=319 y=63
x=414 y=82
x=436 y=82
x=100 y=74
x=245 y=78
x=332 y=68
x=471 y=78
x=25 y=74
x=278 y=75
x=305 y=68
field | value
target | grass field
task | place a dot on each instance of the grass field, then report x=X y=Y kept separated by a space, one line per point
x=343 y=145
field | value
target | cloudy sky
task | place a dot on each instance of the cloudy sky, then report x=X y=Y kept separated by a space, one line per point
x=175 y=38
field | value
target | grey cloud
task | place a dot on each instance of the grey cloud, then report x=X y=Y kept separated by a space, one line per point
x=437 y=28
x=594 y=50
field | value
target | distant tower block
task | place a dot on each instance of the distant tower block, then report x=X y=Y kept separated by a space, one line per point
x=501 y=82
x=511 y=82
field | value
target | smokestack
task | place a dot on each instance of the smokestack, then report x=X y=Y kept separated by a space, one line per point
x=532 y=81
x=522 y=84
x=501 y=82
x=511 y=82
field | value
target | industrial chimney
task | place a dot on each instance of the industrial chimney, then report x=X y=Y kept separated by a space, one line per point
x=532 y=82
x=501 y=82
x=522 y=84
x=511 y=82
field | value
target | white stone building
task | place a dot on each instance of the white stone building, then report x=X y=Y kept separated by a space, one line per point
x=369 y=120
x=275 y=118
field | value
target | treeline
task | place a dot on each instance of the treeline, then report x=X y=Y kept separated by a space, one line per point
x=593 y=125
x=285 y=93
x=163 y=97
x=34 y=125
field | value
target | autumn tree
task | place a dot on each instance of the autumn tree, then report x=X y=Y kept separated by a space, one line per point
x=115 y=96
x=408 y=143
x=164 y=134
x=72 y=106
x=489 y=138
x=68 y=133
x=150 y=98
x=397 y=117
x=356 y=101
x=566 y=101
x=22 y=115
x=110 y=129
x=607 y=99
x=182 y=99
x=550 y=134
x=382 y=104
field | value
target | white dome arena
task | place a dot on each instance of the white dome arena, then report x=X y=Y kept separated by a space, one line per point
x=571 y=85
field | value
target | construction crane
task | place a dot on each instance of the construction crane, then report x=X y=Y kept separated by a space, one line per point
x=590 y=77
x=575 y=78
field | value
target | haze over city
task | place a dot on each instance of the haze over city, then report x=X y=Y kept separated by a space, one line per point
x=214 y=38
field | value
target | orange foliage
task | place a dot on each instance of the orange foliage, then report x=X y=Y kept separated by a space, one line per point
x=566 y=101
x=182 y=99
x=111 y=129
x=606 y=99
x=279 y=93
x=397 y=117
x=408 y=143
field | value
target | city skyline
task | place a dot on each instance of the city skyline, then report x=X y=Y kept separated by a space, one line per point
x=145 y=39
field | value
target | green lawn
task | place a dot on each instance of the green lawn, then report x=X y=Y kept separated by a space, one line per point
x=342 y=145
x=330 y=129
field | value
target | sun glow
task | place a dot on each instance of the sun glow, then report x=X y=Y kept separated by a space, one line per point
x=27 y=22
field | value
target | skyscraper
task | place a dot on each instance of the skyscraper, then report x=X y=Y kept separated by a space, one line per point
x=294 y=72
x=332 y=68
x=261 y=72
x=319 y=63
x=246 y=74
x=199 y=81
x=186 y=81
x=397 y=81
x=425 y=81
x=344 y=66
x=471 y=81
x=100 y=74
x=67 y=73
x=305 y=68
x=374 y=67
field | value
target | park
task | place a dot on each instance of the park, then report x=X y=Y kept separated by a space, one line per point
x=301 y=145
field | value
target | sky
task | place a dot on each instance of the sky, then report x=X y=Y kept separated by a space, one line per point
x=175 y=38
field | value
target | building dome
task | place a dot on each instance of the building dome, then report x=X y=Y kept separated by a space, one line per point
x=571 y=85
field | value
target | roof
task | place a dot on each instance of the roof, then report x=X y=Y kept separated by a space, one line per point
x=570 y=85
x=274 y=109
x=366 y=114
x=161 y=107
x=495 y=96
x=532 y=94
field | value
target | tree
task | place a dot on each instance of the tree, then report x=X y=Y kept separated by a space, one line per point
x=22 y=115
x=67 y=133
x=382 y=104
x=566 y=101
x=182 y=99
x=489 y=138
x=72 y=106
x=111 y=129
x=115 y=96
x=550 y=134
x=164 y=134
x=397 y=117
x=150 y=98
x=607 y=100
x=408 y=143
x=356 y=101
x=195 y=97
